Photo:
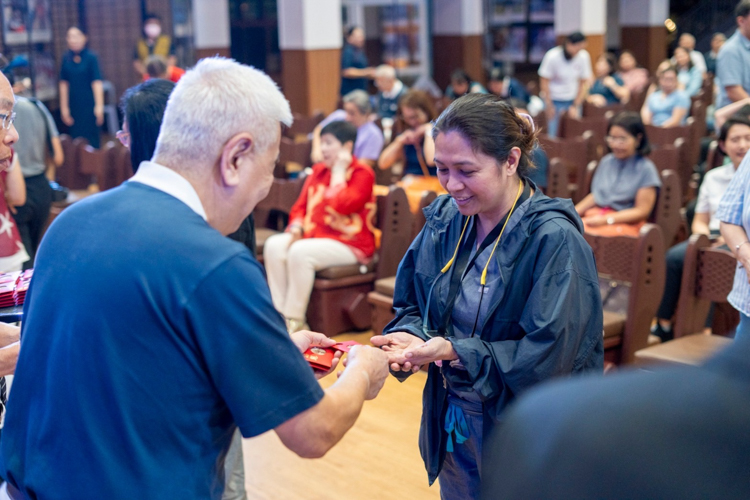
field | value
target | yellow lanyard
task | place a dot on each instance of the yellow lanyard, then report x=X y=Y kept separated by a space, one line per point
x=483 y=280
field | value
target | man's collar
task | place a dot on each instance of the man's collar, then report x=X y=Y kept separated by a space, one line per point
x=169 y=181
x=397 y=87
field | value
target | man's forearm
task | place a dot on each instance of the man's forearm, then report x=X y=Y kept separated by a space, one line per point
x=315 y=431
x=9 y=334
x=9 y=358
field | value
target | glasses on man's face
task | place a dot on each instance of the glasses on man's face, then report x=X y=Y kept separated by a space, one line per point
x=7 y=120
x=123 y=137
x=617 y=139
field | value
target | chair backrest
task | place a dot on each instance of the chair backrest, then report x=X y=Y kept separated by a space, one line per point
x=666 y=212
x=395 y=220
x=304 y=125
x=640 y=263
x=70 y=175
x=707 y=276
x=666 y=156
x=590 y=110
x=92 y=163
x=557 y=179
x=584 y=187
x=575 y=153
x=419 y=219
x=292 y=152
x=281 y=198
x=715 y=156
x=110 y=164
x=662 y=136
x=637 y=99
x=577 y=127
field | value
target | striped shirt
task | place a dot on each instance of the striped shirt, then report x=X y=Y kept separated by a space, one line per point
x=733 y=210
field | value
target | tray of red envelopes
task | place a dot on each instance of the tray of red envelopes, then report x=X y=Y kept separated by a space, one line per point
x=13 y=288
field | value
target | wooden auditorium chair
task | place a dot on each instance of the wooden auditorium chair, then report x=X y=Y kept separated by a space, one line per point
x=381 y=299
x=293 y=157
x=596 y=125
x=666 y=213
x=707 y=276
x=69 y=173
x=338 y=302
x=591 y=111
x=631 y=276
x=269 y=213
x=575 y=153
x=303 y=126
x=558 y=179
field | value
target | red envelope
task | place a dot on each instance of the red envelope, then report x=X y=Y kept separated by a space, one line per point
x=320 y=358
x=345 y=346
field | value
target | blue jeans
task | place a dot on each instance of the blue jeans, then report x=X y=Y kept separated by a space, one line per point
x=743 y=329
x=460 y=476
x=553 y=125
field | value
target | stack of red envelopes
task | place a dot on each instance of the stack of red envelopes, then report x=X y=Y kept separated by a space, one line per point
x=22 y=286
x=7 y=287
x=321 y=358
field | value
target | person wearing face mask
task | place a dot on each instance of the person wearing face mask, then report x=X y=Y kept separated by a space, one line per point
x=624 y=187
x=497 y=293
x=153 y=43
x=564 y=77
x=81 y=91
x=734 y=140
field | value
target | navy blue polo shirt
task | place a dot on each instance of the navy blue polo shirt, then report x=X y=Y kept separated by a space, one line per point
x=148 y=338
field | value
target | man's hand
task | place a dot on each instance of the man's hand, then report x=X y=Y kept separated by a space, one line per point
x=395 y=345
x=573 y=111
x=305 y=339
x=373 y=363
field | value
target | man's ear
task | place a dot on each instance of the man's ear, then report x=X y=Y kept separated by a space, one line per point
x=236 y=149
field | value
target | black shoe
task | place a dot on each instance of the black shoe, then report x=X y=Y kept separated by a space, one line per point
x=661 y=332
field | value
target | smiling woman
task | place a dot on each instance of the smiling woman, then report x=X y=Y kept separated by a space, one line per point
x=497 y=293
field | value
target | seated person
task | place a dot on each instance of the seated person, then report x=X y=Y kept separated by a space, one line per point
x=503 y=85
x=624 y=187
x=329 y=225
x=370 y=140
x=538 y=157
x=635 y=78
x=688 y=74
x=159 y=67
x=414 y=147
x=608 y=88
x=462 y=84
x=734 y=140
x=390 y=90
x=667 y=106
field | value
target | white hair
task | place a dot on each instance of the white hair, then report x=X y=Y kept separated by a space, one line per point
x=216 y=100
x=385 y=71
x=360 y=99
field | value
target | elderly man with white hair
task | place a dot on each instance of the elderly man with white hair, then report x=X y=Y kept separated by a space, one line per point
x=149 y=337
x=390 y=90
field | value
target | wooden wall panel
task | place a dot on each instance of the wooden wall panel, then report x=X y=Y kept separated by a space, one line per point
x=163 y=9
x=451 y=52
x=219 y=51
x=310 y=79
x=647 y=43
x=596 y=46
x=114 y=27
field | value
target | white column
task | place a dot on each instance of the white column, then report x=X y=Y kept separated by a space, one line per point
x=211 y=24
x=643 y=12
x=587 y=16
x=310 y=25
x=451 y=17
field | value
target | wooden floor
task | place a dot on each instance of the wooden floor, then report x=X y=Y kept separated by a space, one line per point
x=378 y=458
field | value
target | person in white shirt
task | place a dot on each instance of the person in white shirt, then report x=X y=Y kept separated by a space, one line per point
x=734 y=140
x=564 y=77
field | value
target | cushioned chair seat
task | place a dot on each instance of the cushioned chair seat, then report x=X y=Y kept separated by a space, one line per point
x=386 y=286
x=687 y=350
x=614 y=324
x=336 y=272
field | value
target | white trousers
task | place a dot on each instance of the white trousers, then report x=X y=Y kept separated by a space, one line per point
x=291 y=269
